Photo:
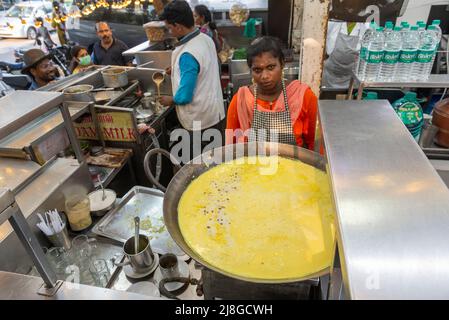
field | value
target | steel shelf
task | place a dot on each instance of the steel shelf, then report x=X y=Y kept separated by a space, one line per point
x=435 y=81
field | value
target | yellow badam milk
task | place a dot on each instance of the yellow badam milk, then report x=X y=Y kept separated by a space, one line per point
x=252 y=224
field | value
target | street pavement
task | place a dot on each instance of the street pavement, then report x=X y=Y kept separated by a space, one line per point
x=7 y=46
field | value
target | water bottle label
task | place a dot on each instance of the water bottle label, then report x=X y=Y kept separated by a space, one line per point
x=425 y=56
x=408 y=56
x=391 y=57
x=375 y=56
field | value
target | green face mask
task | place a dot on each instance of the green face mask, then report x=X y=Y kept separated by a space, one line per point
x=85 y=61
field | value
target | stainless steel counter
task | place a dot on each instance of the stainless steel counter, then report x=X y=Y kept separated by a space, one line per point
x=392 y=207
x=20 y=107
x=161 y=58
x=16 y=286
x=13 y=172
x=122 y=283
x=434 y=81
x=43 y=137
x=39 y=190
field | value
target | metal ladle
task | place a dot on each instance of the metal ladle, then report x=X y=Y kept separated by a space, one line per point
x=102 y=188
x=158 y=78
x=136 y=235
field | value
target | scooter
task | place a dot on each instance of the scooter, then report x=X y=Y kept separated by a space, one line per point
x=10 y=81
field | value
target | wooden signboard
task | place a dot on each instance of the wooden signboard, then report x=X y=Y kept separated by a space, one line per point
x=115 y=126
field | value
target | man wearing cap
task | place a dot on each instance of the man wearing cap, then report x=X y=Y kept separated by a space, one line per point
x=108 y=51
x=195 y=76
x=40 y=67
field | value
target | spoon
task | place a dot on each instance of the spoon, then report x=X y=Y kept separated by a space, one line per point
x=102 y=188
x=136 y=235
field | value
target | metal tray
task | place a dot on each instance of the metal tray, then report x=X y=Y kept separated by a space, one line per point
x=146 y=203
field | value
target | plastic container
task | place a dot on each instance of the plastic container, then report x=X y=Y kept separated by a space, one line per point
x=371 y=96
x=78 y=212
x=155 y=30
x=238 y=13
x=410 y=112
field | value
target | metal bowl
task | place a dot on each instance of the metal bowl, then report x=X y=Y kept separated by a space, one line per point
x=103 y=211
x=115 y=77
x=195 y=168
x=81 y=93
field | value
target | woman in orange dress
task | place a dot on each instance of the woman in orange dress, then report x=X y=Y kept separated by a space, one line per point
x=270 y=110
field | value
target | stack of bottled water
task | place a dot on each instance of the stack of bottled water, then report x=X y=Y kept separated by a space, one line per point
x=400 y=53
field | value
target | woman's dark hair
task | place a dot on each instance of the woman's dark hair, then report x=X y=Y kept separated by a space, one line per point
x=204 y=11
x=74 y=53
x=265 y=44
x=75 y=50
x=179 y=12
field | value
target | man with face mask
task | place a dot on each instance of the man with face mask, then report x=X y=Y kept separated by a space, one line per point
x=40 y=67
x=108 y=51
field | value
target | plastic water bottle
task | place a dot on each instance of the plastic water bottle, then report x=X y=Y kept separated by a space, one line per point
x=392 y=51
x=426 y=55
x=421 y=28
x=436 y=36
x=389 y=26
x=410 y=44
x=366 y=39
x=420 y=23
x=437 y=23
x=375 y=55
x=405 y=28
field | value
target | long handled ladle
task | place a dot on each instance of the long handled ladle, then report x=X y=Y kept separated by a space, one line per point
x=158 y=78
x=136 y=235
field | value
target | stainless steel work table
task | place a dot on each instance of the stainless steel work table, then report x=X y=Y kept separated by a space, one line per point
x=392 y=207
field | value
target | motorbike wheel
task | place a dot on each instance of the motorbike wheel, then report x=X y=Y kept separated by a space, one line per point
x=31 y=33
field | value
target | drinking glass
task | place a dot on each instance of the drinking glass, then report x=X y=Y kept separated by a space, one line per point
x=100 y=272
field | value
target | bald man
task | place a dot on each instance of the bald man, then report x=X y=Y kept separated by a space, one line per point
x=108 y=51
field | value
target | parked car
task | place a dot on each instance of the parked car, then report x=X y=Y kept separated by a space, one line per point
x=18 y=21
x=5 y=5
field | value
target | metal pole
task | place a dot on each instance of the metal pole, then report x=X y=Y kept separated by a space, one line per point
x=313 y=44
x=96 y=123
x=71 y=132
x=32 y=246
x=335 y=289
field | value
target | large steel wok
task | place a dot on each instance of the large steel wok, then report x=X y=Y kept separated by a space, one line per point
x=208 y=160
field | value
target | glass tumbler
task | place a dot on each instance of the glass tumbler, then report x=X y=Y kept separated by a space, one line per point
x=100 y=272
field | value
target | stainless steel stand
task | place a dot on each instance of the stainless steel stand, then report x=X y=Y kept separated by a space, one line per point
x=435 y=81
x=10 y=211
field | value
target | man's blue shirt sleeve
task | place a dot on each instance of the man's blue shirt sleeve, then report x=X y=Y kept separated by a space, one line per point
x=190 y=68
